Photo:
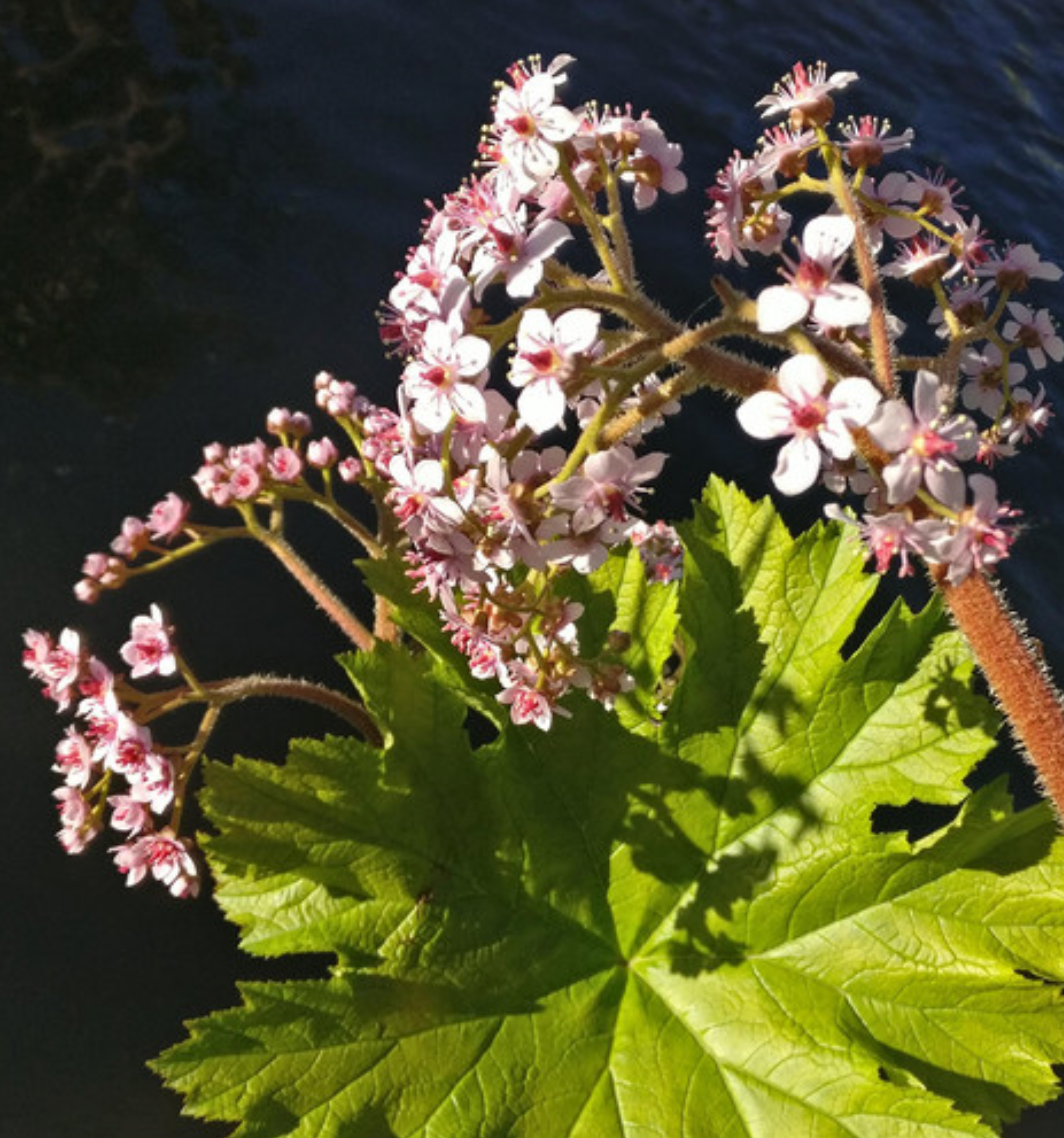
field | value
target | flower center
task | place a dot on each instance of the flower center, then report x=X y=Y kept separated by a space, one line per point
x=810 y=416
x=930 y=444
x=523 y=125
x=438 y=375
x=811 y=277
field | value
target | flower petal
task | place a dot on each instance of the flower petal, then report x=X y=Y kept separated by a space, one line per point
x=855 y=399
x=779 y=307
x=797 y=466
x=765 y=415
x=902 y=478
x=828 y=237
x=801 y=378
x=892 y=425
x=843 y=306
x=542 y=405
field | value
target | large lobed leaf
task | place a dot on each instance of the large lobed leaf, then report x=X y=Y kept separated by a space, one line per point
x=641 y=924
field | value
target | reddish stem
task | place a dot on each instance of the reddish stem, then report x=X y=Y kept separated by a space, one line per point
x=1017 y=676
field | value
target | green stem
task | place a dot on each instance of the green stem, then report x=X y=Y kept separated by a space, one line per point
x=190 y=761
x=593 y=223
x=614 y=222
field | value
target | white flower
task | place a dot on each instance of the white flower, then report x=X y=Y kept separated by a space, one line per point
x=444 y=378
x=813 y=419
x=545 y=352
x=812 y=285
x=529 y=124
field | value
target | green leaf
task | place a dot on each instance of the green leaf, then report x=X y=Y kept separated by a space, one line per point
x=622 y=929
x=645 y=619
x=416 y=615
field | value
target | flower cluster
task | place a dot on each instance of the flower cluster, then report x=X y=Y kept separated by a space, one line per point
x=493 y=518
x=109 y=760
x=513 y=459
x=851 y=419
x=296 y=466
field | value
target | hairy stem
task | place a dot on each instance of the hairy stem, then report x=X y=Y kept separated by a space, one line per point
x=322 y=595
x=223 y=692
x=1016 y=674
x=882 y=356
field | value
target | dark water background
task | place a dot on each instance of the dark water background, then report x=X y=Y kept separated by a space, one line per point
x=201 y=202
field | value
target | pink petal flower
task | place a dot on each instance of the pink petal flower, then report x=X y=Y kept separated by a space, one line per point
x=148 y=650
x=167 y=517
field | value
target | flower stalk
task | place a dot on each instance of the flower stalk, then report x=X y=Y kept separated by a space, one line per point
x=1017 y=676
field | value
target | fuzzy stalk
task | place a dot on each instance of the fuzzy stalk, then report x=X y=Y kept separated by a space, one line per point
x=222 y=692
x=320 y=593
x=1016 y=674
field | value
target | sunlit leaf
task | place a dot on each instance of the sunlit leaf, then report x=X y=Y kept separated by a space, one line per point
x=677 y=921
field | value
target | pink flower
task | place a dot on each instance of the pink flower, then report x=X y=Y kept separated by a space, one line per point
x=57 y=666
x=935 y=196
x=545 y=356
x=517 y=251
x=1017 y=267
x=654 y=161
x=335 y=397
x=1028 y=414
x=978 y=541
x=867 y=140
x=350 y=469
x=813 y=286
x=967 y=301
x=108 y=725
x=661 y=550
x=986 y=373
x=739 y=220
x=883 y=194
x=813 y=419
x=804 y=95
x=153 y=782
x=88 y=590
x=610 y=481
x=322 y=453
x=285 y=465
x=417 y=496
x=287 y=424
x=506 y=508
x=1036 y=332
x=927 y=441
x=923 y=260
x=162 y=855
x=149 y=650
x=74 y=759
x=528 y=704
x=784 y=151
x=443 y=380
x=167 y=517
x=129 y=749
x=891 y=535
x=529 y=124
x=77 y=825
x=245 y=482
x=128 y=815
x=132 y=539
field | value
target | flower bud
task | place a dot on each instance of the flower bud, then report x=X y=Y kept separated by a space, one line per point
x=322 y=453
